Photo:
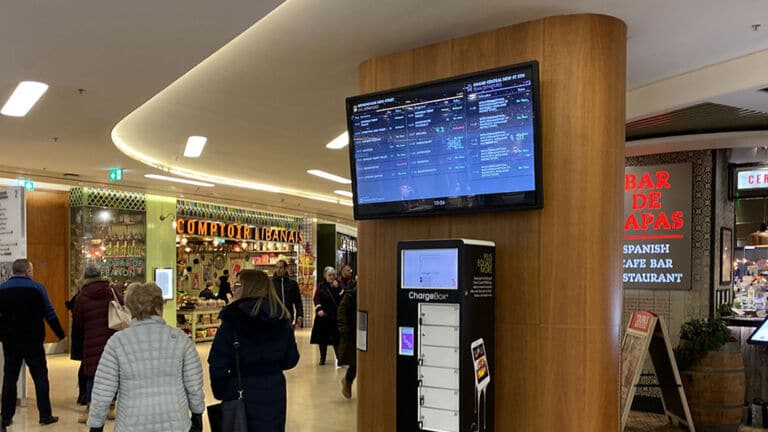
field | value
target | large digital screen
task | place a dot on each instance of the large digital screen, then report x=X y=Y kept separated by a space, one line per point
x=468 y=143
x=430 y=269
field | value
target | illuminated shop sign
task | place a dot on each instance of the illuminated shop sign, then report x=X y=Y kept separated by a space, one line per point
x=237 y=231
x=752 y=179
x=657 y=227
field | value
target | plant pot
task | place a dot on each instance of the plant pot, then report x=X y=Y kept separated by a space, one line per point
x=715 y=389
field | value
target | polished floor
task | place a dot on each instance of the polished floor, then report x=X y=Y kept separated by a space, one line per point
x=315 y=403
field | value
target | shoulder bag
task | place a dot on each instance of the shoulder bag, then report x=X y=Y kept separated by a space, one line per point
x=119 y=317
x=229 y=416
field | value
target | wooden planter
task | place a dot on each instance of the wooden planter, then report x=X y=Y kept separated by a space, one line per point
x=715 y=388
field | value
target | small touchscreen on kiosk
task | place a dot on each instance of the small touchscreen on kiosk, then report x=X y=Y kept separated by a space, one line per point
x=406 y=341
x=430 y=269
x=759 y=336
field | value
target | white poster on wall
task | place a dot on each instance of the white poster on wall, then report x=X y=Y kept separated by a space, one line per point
x=13 y=245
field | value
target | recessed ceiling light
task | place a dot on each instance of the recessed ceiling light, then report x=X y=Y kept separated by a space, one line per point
x=22 y=100
x=195 y=145
x=329 y=176
x=339 y=142
x=178 y=180
x=344 y=193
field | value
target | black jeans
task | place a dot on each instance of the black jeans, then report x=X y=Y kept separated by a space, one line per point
x=351 y=374
x=38 y=368
x=324 y=351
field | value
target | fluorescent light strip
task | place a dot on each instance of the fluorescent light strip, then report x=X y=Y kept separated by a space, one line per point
x=22 y=100
x=329 y=176
x=177 y=180
x=343 y=193
x=195 y=145
x=339 y=142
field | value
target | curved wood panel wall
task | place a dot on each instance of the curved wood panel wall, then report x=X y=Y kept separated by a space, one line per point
x=558 y=304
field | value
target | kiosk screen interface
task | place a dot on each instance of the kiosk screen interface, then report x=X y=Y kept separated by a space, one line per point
x=759 y=336
x=430 y=269
x=406 y=341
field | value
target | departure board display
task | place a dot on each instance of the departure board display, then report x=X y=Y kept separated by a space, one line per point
x=468 y=143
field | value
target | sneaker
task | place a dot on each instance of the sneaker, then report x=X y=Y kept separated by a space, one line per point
x=49 y=420
x=346 y=388
x=84 y=416
x=112 y=412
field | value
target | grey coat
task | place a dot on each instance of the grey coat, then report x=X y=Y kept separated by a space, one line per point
x=156 y=373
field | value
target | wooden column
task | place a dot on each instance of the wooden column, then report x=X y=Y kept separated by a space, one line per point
x=558 y=304
x=48 y=248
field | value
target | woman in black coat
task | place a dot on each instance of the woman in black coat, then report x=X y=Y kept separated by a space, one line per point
x=327 y=298
x=267 y=347
x=347 y=346
x=76 y=338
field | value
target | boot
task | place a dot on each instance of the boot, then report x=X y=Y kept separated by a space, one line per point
x=112 y=412
x=346 y=388
x=84 y=416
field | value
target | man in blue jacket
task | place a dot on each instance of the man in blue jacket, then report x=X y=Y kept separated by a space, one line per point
x=24 y=304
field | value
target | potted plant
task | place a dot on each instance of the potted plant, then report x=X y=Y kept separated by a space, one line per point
x=712 y=372
x=725 y=310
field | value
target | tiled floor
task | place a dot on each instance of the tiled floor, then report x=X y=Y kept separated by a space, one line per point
x=315 y=403
x=646 y=422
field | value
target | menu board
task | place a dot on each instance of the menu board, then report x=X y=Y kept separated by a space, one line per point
x=657 y=227
x=13 y=243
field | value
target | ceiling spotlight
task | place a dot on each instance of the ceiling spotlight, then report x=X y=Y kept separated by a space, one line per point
x=329 y=176
x=178 y=180
x=195 y=145
x=339 y=142
x=343 y=193
x=22 y=100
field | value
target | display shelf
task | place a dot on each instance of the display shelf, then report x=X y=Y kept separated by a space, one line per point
x=194 y=326
x=205 y=326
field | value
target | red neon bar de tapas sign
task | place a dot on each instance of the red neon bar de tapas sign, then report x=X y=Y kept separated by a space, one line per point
x=657 y=227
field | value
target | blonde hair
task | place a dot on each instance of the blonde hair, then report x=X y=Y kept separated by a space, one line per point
x=255 y=284
x=144 y=300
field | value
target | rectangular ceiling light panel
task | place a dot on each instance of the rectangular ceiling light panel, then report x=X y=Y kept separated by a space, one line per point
x=22 y=100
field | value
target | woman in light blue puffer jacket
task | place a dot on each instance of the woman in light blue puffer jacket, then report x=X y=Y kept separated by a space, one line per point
x=154 y=370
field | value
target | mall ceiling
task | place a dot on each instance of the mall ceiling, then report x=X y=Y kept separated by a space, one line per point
x=150 y=73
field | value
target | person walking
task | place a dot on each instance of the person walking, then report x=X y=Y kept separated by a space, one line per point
x=91 y=315
x=288 y=292
x=256 y=332
x=24 y=304
x=347 y=320
x=225 y=290
x=153 y=369
x=326 y=299
x=76 y=338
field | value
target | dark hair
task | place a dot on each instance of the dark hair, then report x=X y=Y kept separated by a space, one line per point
x=226 y=272
x=21 y=266
x=283 y=262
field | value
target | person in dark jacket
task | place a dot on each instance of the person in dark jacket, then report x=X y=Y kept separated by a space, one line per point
x=91 y=314
x=224 y=287
x=347 y=320
x=76 y=336
x=260 y=323
x=207 y=293
x=288 y=291
x=24 y=304
x=326 y=298
x=347 y=279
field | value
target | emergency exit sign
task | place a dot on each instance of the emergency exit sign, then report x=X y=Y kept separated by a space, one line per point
x=116 y=174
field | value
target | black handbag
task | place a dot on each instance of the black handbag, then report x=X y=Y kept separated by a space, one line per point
x=229 y=416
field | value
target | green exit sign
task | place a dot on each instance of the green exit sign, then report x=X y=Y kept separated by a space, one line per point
x=26 y=184
x=116 y=174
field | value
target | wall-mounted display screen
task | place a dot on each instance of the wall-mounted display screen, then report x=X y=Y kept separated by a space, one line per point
x=430 y=269
x=164 y=279
x=468 y=143
x=760 y=335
